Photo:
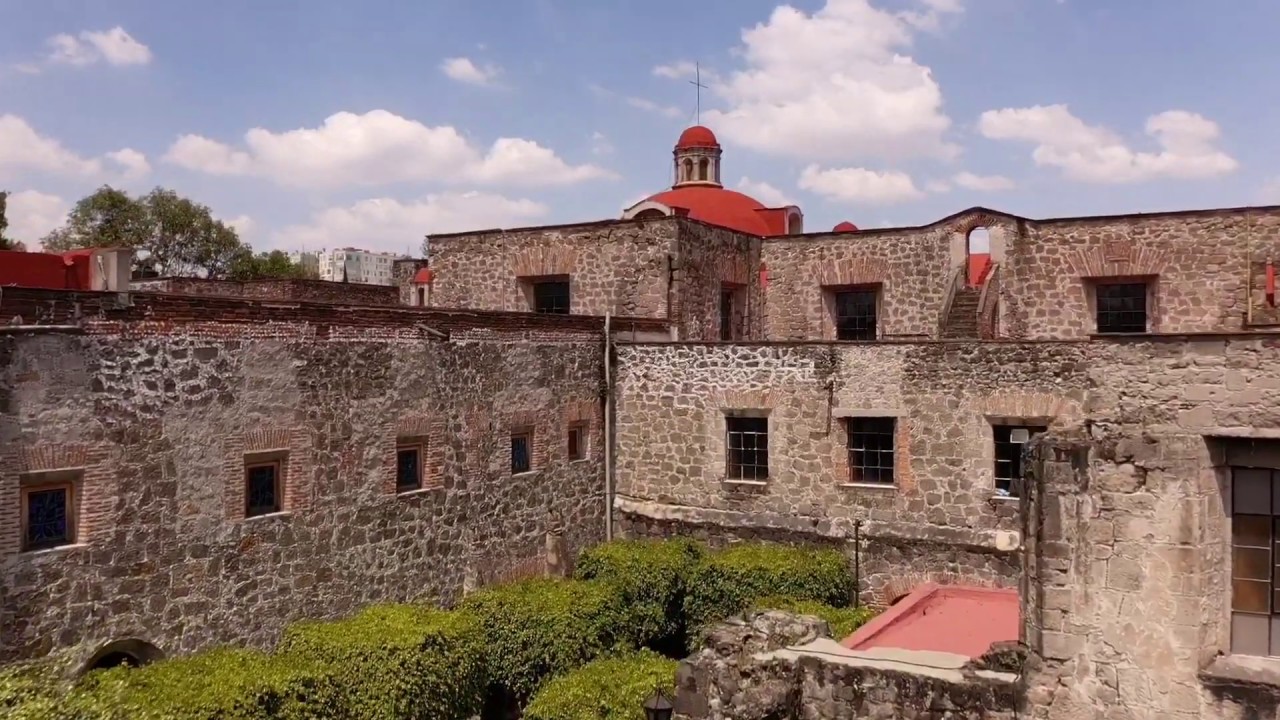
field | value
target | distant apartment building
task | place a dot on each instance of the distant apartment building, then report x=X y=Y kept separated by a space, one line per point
x=360 y=266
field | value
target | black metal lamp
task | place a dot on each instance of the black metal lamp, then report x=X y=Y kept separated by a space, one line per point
x=658 y=706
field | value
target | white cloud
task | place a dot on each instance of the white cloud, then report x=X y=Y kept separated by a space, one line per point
x=390 y=225
x=114 y=47
x=24 y=150
x=984 y=183
x=32 y=215
x=859 y=185
x=465 y=71
x=376 y=148
x=243 y=225
x=600 y=144
x=685 y=70
x=834 y=86
x=133 y=163
x=639 y=103
x=938 y=186
x=930 y=18
x=764 y=192
x=1090 y=153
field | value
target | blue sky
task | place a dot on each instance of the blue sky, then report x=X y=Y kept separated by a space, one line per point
x=324 y=123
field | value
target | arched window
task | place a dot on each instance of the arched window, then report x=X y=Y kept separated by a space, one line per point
x=688 y=170
x=977 y=253
x=704 y=167
x=649 y=214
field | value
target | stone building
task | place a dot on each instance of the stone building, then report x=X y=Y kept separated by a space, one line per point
x=699 y=366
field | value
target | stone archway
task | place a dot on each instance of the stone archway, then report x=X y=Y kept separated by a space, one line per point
x=130 y=652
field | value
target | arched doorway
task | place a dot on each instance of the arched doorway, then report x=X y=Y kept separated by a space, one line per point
x=123 y=653
x=977 y=255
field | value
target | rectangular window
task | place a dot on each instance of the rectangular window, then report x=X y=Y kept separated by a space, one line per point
x=577 y=442
x=262 y=491
x=409 y=468
x=551 y=296
x=871 y=445
x=48 y=516
x=747 y=448
x=1122 y=307
x=726 y=314
x=521 y=452
x=855 y=314
x=1255 y=550
x=1009 y=443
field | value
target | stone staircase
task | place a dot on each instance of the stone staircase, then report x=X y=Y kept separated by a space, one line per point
x=962 y=320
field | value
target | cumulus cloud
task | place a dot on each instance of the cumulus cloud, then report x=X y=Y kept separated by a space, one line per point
x=24 y=150
x=114 y=47
x=984 y=183
x=1088 y=153
x=600 y=144
x=464 y=70
x=859 y=185
x=391 y=225
x=764 y=192
x=377 y=148
x=685 y=70
x=834 y=85
x=32 y=215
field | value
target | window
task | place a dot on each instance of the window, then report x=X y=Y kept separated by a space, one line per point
x=1255 y=549
x=422 y=296
x=747 y=448
x=551 y=296
x=521 y=452
x=1010 y=441
x=409 y=468
x=262 y=494
x=48 y=516
x=577 y=442
x=1122 y=307
x=726 y=314
x=855 y=314
x=870 y=443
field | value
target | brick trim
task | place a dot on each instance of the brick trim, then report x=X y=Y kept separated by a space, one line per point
x=1118 y=258
x=581 y=411
x=966 y=224
x=853 y=271
x=46 y=457
x=538 y=262
x=429 y=434
x=742 y=399
x=291 y=447
x=1029 y=405
x=85 y=466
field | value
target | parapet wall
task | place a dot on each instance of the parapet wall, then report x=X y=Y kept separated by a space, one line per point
x=306 y=290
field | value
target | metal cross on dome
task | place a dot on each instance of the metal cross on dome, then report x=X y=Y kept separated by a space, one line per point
x=697 y=83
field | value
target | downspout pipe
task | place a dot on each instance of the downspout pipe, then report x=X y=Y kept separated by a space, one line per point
x=608 y=427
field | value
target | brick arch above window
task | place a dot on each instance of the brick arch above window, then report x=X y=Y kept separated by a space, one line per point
x=742 y=399
x=540 y=262
x=1029 y=405
x=853 y=271
x=1118 y=258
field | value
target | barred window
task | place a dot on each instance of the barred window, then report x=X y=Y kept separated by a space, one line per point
x=521 y=452
x=747 y=448
x=1122 y=307
x=1255 y=552
x=48 y=516
x=855 y=314
x=551 y=296
x=871 y=449
x=1010 y=440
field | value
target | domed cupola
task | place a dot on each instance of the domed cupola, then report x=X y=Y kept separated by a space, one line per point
x=697 y=158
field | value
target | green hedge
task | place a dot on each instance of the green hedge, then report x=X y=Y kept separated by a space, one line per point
x=398 y=662
x=729 y=579
x=843 y=621
x=36 y=694
x=651 y=577
x=538 y=628
x=611 y=688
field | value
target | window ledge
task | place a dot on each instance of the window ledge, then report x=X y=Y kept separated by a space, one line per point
x=1242 y=670
x=270 y=516
x=54 y=550
x=579 y=460
x=419 y=491
x=526 y=473
x=868 y=486
x=746 y=483
x=1005 y=498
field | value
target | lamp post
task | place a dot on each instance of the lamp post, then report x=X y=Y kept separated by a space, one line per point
x=658 y=706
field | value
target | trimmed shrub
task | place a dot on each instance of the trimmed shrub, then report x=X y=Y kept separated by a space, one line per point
x=541 y=627
x=397 y=662
x=843 y=621
x=651 y=577
x=34 y=693
x=611 y=688
x=729 y=579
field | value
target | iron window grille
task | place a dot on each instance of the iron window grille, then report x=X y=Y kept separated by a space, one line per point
x=551 y=296
x=1255 y=550
x=408 y=468
x=48 y=516
x=855 y=314
x=262 y=489
x=871 y=449
x=747 y=448
x=1122 y=307
x=521 y=452
x=1010 y=441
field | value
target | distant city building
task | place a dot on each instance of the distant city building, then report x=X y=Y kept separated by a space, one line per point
x=308 y=261
x=361 y=266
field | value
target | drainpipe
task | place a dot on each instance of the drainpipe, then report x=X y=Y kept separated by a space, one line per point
x=608 y=429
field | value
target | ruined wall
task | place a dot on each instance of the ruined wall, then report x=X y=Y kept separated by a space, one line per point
x=1200 y=261
x=707 y=258
x=618 y=267
x=303 y=290
x=155 y=420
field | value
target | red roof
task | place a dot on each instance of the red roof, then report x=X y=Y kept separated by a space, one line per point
x=845 y=226
x=696 y=137
x=726 y=208
x=423 y=276
x=953 y=619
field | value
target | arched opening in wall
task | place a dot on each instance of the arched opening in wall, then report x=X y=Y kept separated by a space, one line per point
x=123 y=653
x=688 y=170
x=977 y=255
x=795 y=224
x=650 y=214
x=704 y=168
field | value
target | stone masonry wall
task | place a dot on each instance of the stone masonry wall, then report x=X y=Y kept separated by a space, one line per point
x=708 y=259
x=155 y=421
x=305 y=290
x=618 y=267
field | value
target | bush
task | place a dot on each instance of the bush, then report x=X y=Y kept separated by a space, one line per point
x=397 y=662
x=221 y=684
x=728 y=580
x=612 y=688
x=34 y=693
x=651 y=577
x=540 y=627
x=843 y=621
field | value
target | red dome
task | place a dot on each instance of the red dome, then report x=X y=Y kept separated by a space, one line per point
x=845 y=226
x=697 y=137
x=424 y=276
x=718 y=206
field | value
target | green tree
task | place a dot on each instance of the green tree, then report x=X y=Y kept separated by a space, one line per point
x=178 y=235
x=266 y=265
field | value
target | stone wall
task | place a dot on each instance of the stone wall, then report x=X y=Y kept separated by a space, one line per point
x=154 y=419
x=710 y=259
x=618 y=267
x=305 y=290
x=779 y=666
x=402 y=273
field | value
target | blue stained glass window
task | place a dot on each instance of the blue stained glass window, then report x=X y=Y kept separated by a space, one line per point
x=48 y=520
x=521 y=460
x=262 y=492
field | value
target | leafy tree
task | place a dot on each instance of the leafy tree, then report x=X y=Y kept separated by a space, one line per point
x=178 y=235
x=7 y=243
x=266 y=265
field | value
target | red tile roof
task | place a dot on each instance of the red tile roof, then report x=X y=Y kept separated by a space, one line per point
x=950 y=618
